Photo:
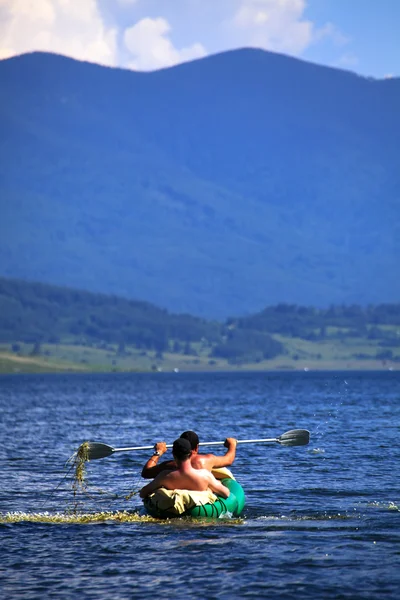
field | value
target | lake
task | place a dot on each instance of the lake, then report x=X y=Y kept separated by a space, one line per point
x=321 y=521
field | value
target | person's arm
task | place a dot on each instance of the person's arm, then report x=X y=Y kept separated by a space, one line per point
x=229 y=457
x=149 y=471
x=152 y=486
x=152 y=468
x=218 y=487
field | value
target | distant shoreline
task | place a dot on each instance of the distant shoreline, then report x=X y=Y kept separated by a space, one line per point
x=11 y=364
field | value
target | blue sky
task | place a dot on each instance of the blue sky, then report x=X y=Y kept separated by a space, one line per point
x=358 y=35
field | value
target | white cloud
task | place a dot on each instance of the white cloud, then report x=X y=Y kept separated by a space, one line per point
x=280 y=25
x=151 y=47
x=275 y=24
x=102 y=31
x=76 y=28
x=71 y=27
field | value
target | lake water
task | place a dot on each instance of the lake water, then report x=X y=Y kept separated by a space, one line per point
x=321 y=521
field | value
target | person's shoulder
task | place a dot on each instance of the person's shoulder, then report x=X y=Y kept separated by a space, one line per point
x=203 y=461
x=207 y=457
x=203 y=472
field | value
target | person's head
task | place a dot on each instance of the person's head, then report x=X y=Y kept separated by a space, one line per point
x=181 y=449
x=192 y=437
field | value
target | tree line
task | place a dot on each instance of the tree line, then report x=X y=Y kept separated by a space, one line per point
x=39 y=313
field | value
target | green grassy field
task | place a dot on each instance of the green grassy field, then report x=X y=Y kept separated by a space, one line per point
x=300 y=354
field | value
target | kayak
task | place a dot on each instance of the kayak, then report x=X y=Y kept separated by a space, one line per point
x=170 y=504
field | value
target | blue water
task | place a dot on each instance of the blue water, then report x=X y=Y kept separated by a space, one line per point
x=321 y=521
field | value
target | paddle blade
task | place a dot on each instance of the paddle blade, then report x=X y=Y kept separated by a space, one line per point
x=99 y=450
x=294 y=437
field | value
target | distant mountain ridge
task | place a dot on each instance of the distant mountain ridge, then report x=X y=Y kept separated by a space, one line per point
x=216 y=187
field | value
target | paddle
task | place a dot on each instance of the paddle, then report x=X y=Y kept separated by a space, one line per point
x=294 y=437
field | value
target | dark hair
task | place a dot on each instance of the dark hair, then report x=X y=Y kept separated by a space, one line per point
x=192 y=437
x=181 y=449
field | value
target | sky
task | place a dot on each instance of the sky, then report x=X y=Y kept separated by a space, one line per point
x=356 y=35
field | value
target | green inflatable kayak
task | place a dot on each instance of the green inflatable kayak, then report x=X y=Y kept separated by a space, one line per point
x=232 y=506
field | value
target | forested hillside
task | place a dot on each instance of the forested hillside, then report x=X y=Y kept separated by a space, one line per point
x=217 y=187
x=38 y=314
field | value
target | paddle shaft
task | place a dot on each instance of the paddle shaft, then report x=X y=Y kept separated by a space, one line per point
x=295 y=437
x=200 y=444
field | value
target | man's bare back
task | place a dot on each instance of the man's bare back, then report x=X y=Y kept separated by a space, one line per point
x=185 y=477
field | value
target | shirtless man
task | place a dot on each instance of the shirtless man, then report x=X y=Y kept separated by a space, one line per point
x=184 y=476
x=199 y=461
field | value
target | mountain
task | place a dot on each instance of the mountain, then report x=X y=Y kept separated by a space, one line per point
x=216 y=187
